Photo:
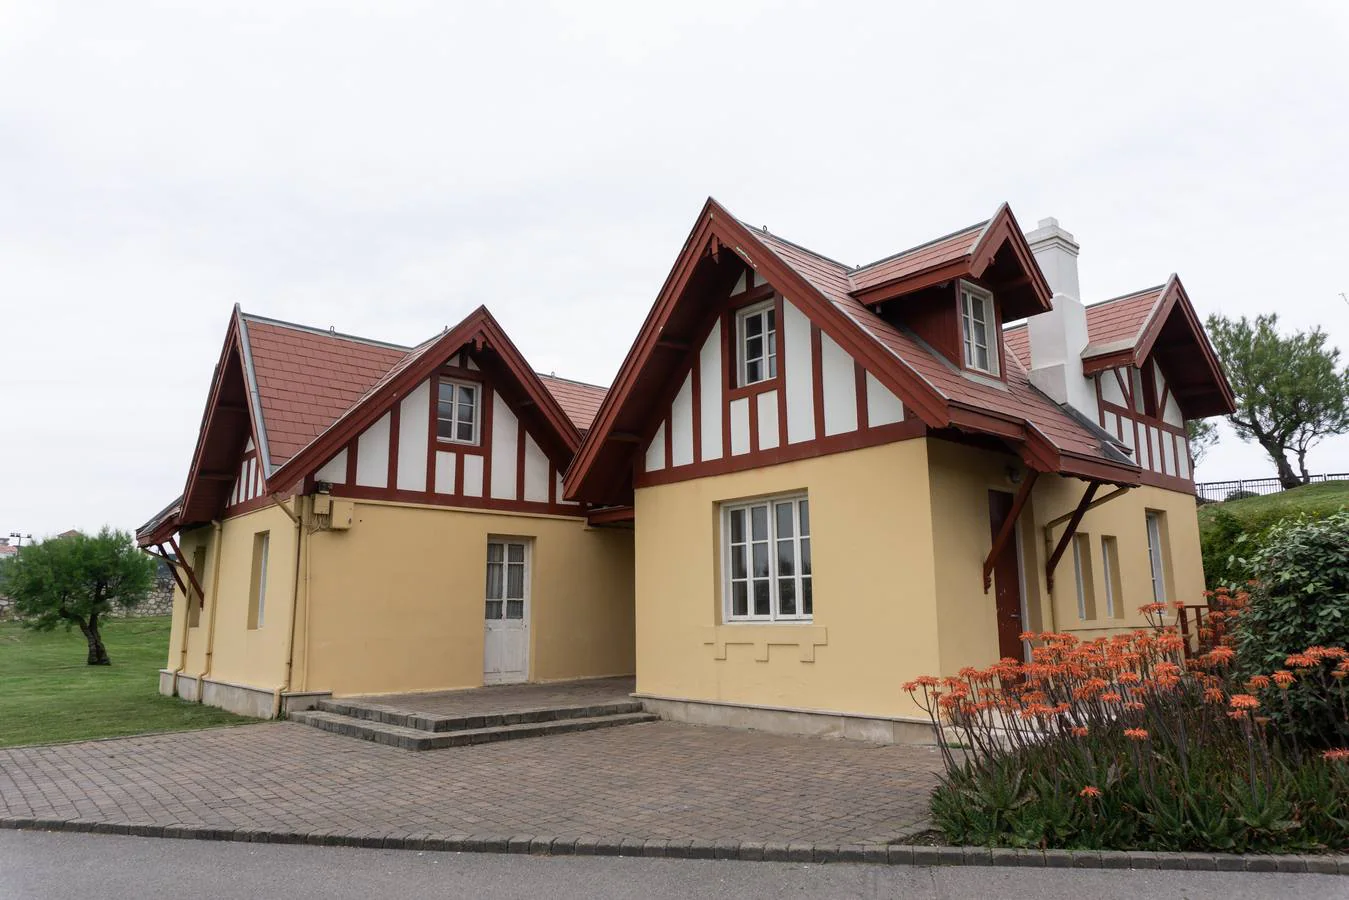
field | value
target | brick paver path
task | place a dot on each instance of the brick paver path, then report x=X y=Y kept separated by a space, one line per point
x=506 y=698
x=656 y=781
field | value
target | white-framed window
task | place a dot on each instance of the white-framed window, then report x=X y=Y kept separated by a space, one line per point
x=978 y=328
x=506 y=581
x=1154 y=521
x=756 y=331
x=766 y=560
x=458 y=411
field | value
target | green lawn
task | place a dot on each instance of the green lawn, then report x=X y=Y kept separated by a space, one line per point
x=48 y=694
x=1316 y=499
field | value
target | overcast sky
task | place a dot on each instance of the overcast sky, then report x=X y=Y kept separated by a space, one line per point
x=384 y=168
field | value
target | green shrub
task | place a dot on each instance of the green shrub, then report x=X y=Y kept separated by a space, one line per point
x=1301 y=600
x=1231 y=532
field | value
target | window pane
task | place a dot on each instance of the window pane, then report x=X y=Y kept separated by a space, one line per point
x=761 y=598
x=759 y=522
x=805 y=556
x=515 y=553
x=515 y=581
x=807 y=602
x=515 y=609
x=760 y=560
x=737 y=526
x=465 y=432
x=785 y=518
x=493 y=581
x=754 y=348
x=494 y=609
x=771 y=315
x=772 y=367
x=444 y=429
x=445 y=392
x=786 y=597
x=445 y=410
x=753 y=326
x=981 y=357
x=786 y=558
x=494 y=552
x=804 y=506
x=753 y=372
x=467 y=394
x=739 y=599
x=466 y=412
x=738 y=567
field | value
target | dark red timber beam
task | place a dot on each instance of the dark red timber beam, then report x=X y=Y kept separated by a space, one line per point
x=192 y=576
x=163 y=556
x=1008 y=527
x=1073 y=521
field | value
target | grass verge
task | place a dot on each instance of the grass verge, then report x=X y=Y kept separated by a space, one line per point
x=48 y=694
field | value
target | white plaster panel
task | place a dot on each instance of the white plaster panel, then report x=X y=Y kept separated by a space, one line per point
x=1112 y=423
x=840 y=387
x=655 y=451
x=1172 y=415
x=1110 y=391
x=681 y=424
x=469 y=363
x=883 y=407
x=559 y=492
x=252 y=479
x=768 y=419
x=1156 y=450
x=1158 y=381
x=740 y=426
x=797 y=370
x=372 y=454
x=1127 y=429
x=446 y=463
x=248 y=446
x=709 y=387
x=472 y=463
x=1168 y=452
x=505 y=446
x=536 y=472
x=740 y=284
x=1183 y=456
x=334 y=471
x=414 y=434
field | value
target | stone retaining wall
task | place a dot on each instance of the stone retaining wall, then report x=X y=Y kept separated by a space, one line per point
x=158 y=603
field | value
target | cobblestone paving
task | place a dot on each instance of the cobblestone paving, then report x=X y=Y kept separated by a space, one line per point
x=656 y=781
x=506 y=698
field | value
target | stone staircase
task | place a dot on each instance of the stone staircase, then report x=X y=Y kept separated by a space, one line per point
x=411 y=730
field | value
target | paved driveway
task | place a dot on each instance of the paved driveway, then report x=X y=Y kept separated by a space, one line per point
x=656 y=781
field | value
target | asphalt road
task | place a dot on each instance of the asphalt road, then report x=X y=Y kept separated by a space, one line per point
x=54 y=866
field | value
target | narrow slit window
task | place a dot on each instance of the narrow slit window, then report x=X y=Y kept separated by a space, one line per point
x=257 y=589
x=1154 y=525
x=1110 y=571
x=1086 y=590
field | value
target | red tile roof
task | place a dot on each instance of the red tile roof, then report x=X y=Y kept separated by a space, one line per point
x=1019 y=400
x=308 y=379
x=931 y=255
x=1108 y=322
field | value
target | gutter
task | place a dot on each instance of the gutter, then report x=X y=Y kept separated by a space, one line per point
x=300 y=546
x=217 y=540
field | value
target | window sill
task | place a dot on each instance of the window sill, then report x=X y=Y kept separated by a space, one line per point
x=752 y=390
x=762 y=635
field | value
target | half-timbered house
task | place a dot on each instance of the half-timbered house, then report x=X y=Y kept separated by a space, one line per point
x=361 y=517
x=844 y=477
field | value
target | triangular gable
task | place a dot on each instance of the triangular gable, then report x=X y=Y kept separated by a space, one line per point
x=1173 y=334
x=823 y=290
x=511 y=372
x=228 y=423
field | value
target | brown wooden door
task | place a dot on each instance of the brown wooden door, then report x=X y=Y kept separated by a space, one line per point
x=1006 y=581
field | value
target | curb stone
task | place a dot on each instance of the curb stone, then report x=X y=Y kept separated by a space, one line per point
x=725 y=849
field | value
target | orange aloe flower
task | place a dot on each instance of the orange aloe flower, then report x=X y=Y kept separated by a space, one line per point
x=1136 y=734
x=1341 y=755
x=1284 y=678
x=1257 y=682
x=1244 y=701
x=1094 y=792
x=1079 y=731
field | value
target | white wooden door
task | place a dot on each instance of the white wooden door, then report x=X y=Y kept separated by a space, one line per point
x=506 y=656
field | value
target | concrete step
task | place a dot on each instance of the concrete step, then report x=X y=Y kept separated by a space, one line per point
x=422 y=739
x=389 y=715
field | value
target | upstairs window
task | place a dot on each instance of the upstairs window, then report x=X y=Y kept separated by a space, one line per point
x=757 y=343
x=457 y=412
x=978 y=329
x=766 y=547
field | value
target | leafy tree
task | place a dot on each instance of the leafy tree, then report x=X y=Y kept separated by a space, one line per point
x=75 y=579
x=1291 y=390
x=1203 y=435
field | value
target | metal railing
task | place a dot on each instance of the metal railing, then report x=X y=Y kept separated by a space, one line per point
x=1218 y=491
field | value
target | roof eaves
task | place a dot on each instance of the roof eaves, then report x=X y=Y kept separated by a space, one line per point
x=254 y=397
x=982 y=226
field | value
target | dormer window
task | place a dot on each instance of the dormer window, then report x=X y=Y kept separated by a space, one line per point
x=978 y=329
x=757 y=343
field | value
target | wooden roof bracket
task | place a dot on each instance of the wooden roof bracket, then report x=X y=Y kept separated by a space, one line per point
x=164 y=557
x=1073 y=519
x=192 y=576
x=1008 y=527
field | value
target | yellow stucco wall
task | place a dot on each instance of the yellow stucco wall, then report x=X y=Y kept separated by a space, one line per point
x=237 y=653
x=397 y=602
x=961 y=478
x=899 y=534
x=874 y=587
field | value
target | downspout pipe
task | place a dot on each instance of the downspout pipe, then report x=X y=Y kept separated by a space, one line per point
x=294 y=601
x=217 y=531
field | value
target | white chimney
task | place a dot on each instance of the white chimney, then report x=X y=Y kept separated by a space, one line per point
x=1058 y=337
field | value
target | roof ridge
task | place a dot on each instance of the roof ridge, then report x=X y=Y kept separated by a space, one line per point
x=1129 y=296
x=777 y=237
x=916 y=247
x=326 y=332
x=598 y=387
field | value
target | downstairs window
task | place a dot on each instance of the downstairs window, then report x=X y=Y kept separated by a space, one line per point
x=766 y=561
